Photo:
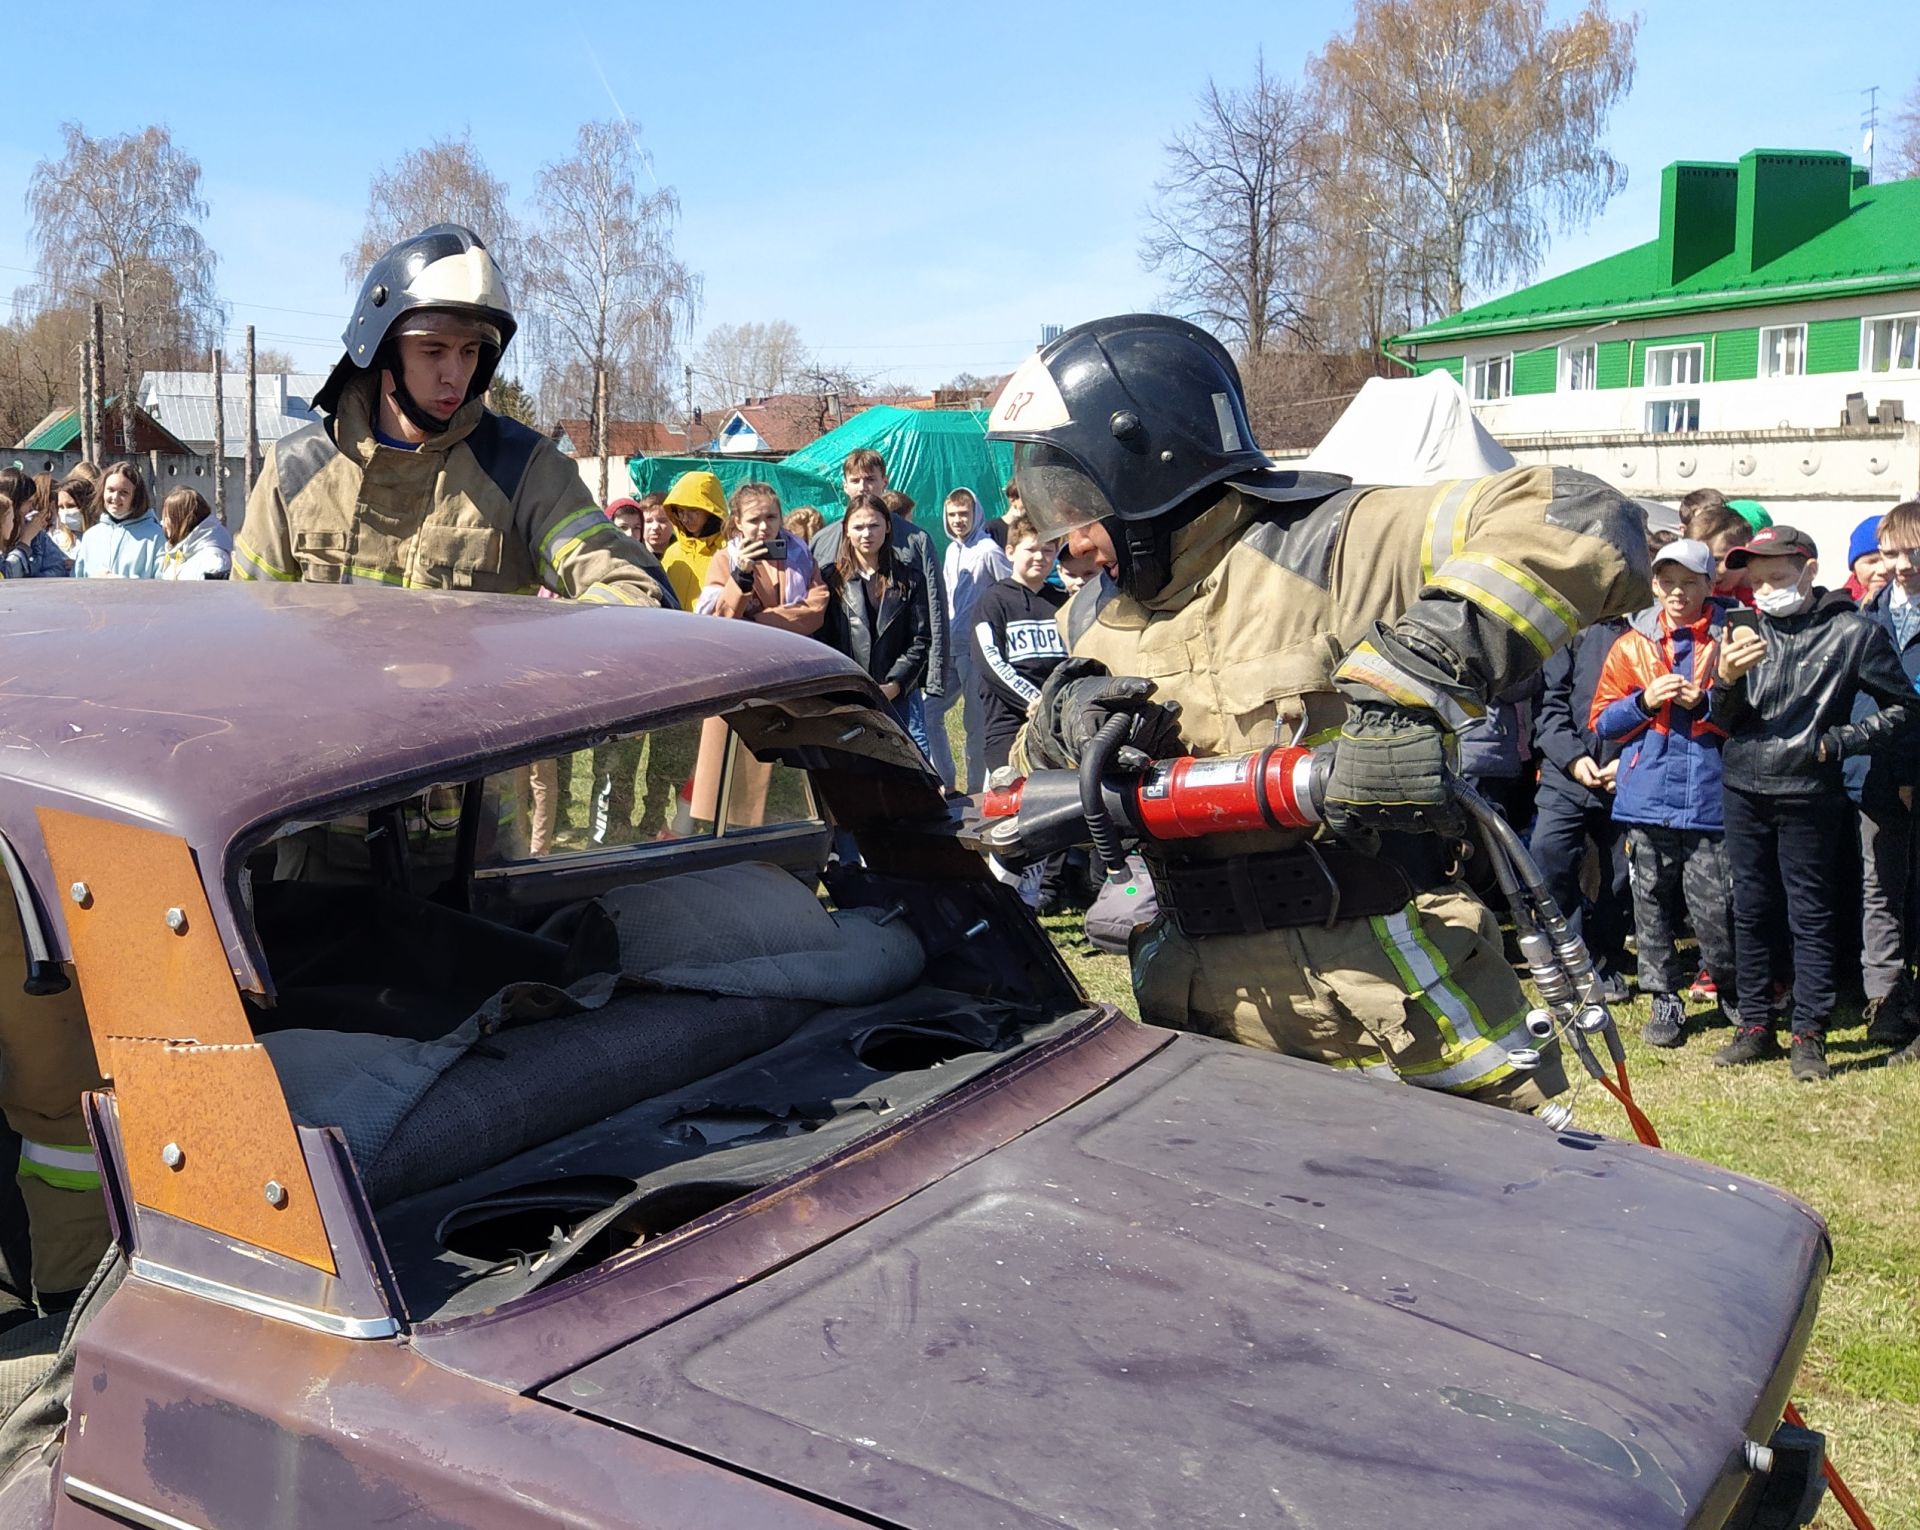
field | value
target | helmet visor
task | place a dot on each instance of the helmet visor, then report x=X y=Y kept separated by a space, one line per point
x=1055 y=491
x=449 y=324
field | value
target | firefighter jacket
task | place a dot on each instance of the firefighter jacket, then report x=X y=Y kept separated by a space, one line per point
x=490 y=504
x=1269 y=604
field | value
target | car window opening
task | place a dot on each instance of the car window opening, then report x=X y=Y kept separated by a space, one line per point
x=564 y=1010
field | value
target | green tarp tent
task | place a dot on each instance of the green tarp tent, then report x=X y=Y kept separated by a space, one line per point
x=928 y=452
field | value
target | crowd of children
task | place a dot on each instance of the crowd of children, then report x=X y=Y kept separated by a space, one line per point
x=1710 y=758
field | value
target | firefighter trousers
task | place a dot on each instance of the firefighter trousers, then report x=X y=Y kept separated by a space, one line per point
x=1424 y=994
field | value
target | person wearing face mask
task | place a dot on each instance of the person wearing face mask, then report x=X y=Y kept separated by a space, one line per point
x=73 y=513
x=1784 y=697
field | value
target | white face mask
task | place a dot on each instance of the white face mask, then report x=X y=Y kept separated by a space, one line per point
x=1780 y=602
x=70 y=518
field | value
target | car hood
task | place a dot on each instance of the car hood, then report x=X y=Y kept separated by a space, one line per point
x=1234 y=1289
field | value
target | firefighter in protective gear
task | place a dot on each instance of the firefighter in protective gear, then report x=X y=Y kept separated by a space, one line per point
x=410 y=479
x=46 y=1065
x=1277 y=607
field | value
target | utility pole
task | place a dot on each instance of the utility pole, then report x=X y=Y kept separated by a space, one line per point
x=88 y=422
x=1871 y=122
x=251 y=467
x=219 y=483
x=99 y=386
x=688 y=421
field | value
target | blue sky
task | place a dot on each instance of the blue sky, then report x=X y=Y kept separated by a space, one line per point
x=917 y=188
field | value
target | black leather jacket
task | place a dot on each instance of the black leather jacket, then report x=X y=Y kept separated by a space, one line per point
x=892 y=643
x=1776 y=714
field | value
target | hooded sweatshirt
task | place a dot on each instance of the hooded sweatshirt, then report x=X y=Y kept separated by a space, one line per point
x=128 y=549
x=687 y=561
x=972 y=567
x=206 y=552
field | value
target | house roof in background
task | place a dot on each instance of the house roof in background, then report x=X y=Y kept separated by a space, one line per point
x=625 y=438
x=60 y=431
x=1873 y=247
x=183 y=402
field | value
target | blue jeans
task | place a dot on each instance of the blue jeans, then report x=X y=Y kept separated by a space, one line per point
x=912 y=711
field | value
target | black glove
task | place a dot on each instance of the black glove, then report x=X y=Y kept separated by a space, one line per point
x=1836 y=744
x=1389 y=772
x=1079 y=697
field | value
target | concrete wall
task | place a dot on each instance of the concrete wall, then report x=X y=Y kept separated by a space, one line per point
x=619 y=480
x=164 y=473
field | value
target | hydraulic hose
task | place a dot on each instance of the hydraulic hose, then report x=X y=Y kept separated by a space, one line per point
x=1095 y=761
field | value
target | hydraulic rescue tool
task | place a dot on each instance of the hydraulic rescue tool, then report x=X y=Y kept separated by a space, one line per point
x=1119 y=798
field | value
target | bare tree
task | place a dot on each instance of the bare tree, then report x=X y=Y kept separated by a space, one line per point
x=267 y=361
x=1231 y=222
x=1902 y=160
x=610 y=294
x=119 y=219
x=1467 y=129
x=740 y=361
x=40 y=360
x=446 y=182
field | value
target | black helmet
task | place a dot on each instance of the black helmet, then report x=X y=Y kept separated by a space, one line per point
x=442 y=280
x=1127 y=417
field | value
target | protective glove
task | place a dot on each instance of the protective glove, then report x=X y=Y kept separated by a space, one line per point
x=1079 y=697
x=1389 y=772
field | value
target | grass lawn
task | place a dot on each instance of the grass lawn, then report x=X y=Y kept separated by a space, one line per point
x=1850 y=1148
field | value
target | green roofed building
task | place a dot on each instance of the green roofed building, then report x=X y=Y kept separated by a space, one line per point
x=1775 y=289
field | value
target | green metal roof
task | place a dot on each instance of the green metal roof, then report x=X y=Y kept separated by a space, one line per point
x=1873 y=247
x=56 y=436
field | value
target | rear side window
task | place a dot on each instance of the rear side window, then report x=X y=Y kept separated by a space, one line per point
x=681 y=782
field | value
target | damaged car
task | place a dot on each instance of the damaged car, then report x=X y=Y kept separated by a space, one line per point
x=561 y=1064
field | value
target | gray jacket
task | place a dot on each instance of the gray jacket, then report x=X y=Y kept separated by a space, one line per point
x=914 y=548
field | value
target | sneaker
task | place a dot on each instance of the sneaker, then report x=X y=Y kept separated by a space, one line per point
x=1810 y=1060
x=1890 y=1021
x=1910 y=1053
x=1704 y=988
x=1668 y=1026
x=1750 y=1044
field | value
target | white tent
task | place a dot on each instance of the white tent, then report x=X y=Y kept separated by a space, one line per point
x=1408 y=430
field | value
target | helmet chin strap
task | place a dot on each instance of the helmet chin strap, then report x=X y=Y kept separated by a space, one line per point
x=1145 y=556
x=409 y=406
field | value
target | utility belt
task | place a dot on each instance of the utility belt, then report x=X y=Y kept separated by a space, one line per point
x=1314 y=883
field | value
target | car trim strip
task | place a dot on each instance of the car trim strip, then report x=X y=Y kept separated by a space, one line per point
x=334 y=1323
x=96 y=1497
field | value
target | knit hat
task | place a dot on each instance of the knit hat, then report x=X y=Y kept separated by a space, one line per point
x=1752 y=512
x=1866 y=539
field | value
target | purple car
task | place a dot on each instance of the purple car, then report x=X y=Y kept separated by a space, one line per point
x=526 y=1108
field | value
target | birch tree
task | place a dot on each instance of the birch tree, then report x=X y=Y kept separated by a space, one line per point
x=1464 y=132
x=446 y=182
x=610 y=295
x=118 y=219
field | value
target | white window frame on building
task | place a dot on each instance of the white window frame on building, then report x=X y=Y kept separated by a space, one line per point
x=1673 y=406
x=1580 y=367
x=1783 y=351
x=1658 y=353
x=1482 y=372
x=1672 y=416
x=1899 y=326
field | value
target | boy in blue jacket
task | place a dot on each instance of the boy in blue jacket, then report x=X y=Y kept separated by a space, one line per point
x=1651 y=700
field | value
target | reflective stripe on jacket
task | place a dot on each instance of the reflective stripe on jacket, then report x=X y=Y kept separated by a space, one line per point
x=65 y=1168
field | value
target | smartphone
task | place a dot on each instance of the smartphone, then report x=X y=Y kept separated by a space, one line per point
x=777 y=551
x=1744 y=618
